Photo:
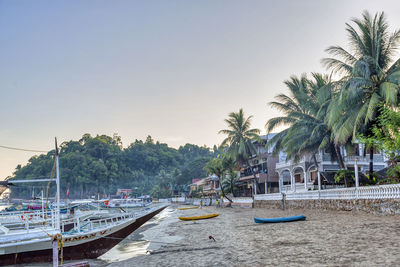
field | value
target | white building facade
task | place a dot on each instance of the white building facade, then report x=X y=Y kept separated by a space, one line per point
x=303 y=175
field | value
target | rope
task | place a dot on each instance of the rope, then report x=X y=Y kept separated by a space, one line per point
x=23 y=149
x=47 y=189
x=60 y=243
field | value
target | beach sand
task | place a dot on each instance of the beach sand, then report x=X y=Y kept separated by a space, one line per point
x=326 y=238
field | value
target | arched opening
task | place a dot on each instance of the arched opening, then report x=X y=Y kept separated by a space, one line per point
x=313 y=174
x=298 y=173
x=285 y=175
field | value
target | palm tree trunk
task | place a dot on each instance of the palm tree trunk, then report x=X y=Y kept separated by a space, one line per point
x=340 y=158
x=371 y=160
x=255 y=177
x=231 y=180
x=315 y=162
x=222 y=190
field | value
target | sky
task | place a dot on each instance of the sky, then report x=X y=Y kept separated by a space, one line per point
x=170 y=69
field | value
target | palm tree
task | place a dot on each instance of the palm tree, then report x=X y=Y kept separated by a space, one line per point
x=240 y=139
x=230 y=176
x=304 y=111
x=370 y=77
x=215 y=166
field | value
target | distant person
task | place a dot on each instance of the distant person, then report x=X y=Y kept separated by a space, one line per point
x=201 y=203
x=217 y=203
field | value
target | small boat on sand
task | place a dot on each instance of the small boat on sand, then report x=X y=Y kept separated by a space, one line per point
x=188 y=208
x=279 y=220
x=202 y=217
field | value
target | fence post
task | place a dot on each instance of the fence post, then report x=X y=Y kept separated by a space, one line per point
x=357 y=180
x=319 y=184
x=305 y=180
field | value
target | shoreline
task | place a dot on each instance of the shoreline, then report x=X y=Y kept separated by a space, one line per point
x=327 y=238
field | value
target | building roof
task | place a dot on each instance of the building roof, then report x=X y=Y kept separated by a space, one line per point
x=202 y=181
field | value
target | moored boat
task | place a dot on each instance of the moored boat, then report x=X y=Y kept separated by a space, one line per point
x=188 y=208
x=282 y=219
x=201 y=217
x=86 y=240
x=77 y=238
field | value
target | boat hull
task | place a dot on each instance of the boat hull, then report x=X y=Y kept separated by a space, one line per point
x=78 y=249
x=202 y=217
x=188 y=208
x=280 y=220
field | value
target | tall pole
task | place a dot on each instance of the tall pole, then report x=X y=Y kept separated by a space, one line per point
x=305 y=180
x=58 y=190
x=356 y=174
x=319 y=180
x=42 y=204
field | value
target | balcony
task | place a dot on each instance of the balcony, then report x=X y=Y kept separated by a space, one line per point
x=284 y=164
x=207 y=187
x=378 y=158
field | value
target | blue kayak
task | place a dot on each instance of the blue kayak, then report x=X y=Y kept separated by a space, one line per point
x=278 y=220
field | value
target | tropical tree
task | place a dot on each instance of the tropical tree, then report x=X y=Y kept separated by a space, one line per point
x=230 y=176
x=215 y=166
x=386 y=137
x=240 y=139
x=304 y=111
x=370 y=77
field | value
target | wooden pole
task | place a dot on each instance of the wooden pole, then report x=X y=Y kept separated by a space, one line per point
x=319 y=180
x=356 y=176
x=55 y=253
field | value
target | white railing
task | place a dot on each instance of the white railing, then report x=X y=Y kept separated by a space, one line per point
x=240 y=200
x=390 y=191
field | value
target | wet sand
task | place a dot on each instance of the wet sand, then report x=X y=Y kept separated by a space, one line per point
x=326 y=238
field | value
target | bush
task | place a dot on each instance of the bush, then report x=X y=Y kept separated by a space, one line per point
x=345 y=176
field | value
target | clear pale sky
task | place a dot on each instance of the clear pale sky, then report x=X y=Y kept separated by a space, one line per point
x=171 y=69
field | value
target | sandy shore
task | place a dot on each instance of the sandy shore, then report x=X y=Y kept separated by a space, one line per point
x=326 y=238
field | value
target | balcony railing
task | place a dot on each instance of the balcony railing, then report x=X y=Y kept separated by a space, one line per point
x=377 y=158
x=207 y=187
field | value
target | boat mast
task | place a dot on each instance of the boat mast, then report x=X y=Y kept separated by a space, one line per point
x=58 y=224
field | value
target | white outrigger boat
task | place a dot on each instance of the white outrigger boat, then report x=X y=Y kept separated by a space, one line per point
x=77 y=238
x=129 y=203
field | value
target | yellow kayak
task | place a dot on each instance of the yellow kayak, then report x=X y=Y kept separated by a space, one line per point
x=187 y=208
x=202 y=217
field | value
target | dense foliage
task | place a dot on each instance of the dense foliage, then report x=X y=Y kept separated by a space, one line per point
x=385 y=135
x=325 y=114
x=101 y=165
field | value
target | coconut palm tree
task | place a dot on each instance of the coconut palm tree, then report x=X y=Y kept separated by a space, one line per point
x=304 y=111
x=240 y=139
x=370 y=77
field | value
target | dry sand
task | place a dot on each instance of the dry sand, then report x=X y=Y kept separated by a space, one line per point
x=326 y=238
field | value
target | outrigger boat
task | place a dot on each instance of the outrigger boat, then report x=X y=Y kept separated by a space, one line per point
x=86 y=239
x=188 y=208
x=202 y=217
x=128 y=203
x=279 y=220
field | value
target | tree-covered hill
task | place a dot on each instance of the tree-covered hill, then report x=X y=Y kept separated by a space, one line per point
x=100 y=164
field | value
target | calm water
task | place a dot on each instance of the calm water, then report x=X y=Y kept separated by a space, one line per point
x=149 y=236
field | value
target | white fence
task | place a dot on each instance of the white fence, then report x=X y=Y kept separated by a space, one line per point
x=240 y=200
x=390 y=191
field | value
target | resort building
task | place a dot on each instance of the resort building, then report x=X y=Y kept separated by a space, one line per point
x=263 y=165
x=303 y=175
x=208 y=186
x=197 y=185
x=211 y=186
